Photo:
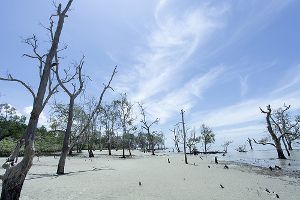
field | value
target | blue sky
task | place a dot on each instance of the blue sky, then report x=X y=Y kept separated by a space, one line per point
x=218 y=60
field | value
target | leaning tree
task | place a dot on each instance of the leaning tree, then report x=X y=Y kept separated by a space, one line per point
x=14 y=176
x=271 y=129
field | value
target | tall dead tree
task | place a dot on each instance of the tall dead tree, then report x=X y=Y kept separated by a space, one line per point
x=73 y=94
x=184 y=136
x=276 y=139
x=89 y=120
x=147 y=126
x=14 y=176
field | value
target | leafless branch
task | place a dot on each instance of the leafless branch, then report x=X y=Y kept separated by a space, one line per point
x=12 y=79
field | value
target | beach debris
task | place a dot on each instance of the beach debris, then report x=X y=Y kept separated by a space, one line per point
x=201 y=158
x=267 y=190
x=168 y=160
x=140 y=183
x=277 y=196
x=226 y=167
x=194 y=164
x=277 y=167
x=208 y=166
x=271 y=168
x=289 y=164
x=216 y=160
x=221 y=186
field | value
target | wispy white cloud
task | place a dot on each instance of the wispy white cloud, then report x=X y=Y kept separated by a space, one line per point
x=159 y=78
x=170 y=43
x=184 y=97
x=245 y=111
x=289 y=80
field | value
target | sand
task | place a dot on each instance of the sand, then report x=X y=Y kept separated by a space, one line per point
x=105 y=177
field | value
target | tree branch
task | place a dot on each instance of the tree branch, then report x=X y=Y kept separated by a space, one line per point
x=10 y=78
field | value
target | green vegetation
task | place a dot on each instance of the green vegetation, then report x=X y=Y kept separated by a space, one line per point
x=12 y=127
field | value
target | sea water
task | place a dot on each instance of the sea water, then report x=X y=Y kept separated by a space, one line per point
x=264 y=158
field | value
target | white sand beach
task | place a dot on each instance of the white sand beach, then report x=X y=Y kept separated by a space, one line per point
x=105 y=177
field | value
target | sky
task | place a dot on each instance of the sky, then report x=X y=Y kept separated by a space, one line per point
x=218 y=60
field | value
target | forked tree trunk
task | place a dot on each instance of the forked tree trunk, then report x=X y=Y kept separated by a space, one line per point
x=276 y=140
x=285 y=146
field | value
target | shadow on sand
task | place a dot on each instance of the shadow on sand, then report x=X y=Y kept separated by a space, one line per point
x=38 y=176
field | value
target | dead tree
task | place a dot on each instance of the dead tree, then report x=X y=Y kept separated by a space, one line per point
x=192 y=140
x=14 y=176
x=226 y=144
x=276 y=139
x=86 y=126
x=285 y=126
x=147 y=126
x=184 y=136
x=73 y=94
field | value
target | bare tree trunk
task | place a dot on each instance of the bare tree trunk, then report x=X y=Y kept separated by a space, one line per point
x=109 y=144
x=14 y=177
x=276 y=140
x=250 y=143
x=91 y=154
x=129 y=148
x=184 y=137
x=152 y=146
x=289 y=142
x=66 y=143
x=285 y=146
x=71 y=151
x=205 y=147
x=279 y=150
